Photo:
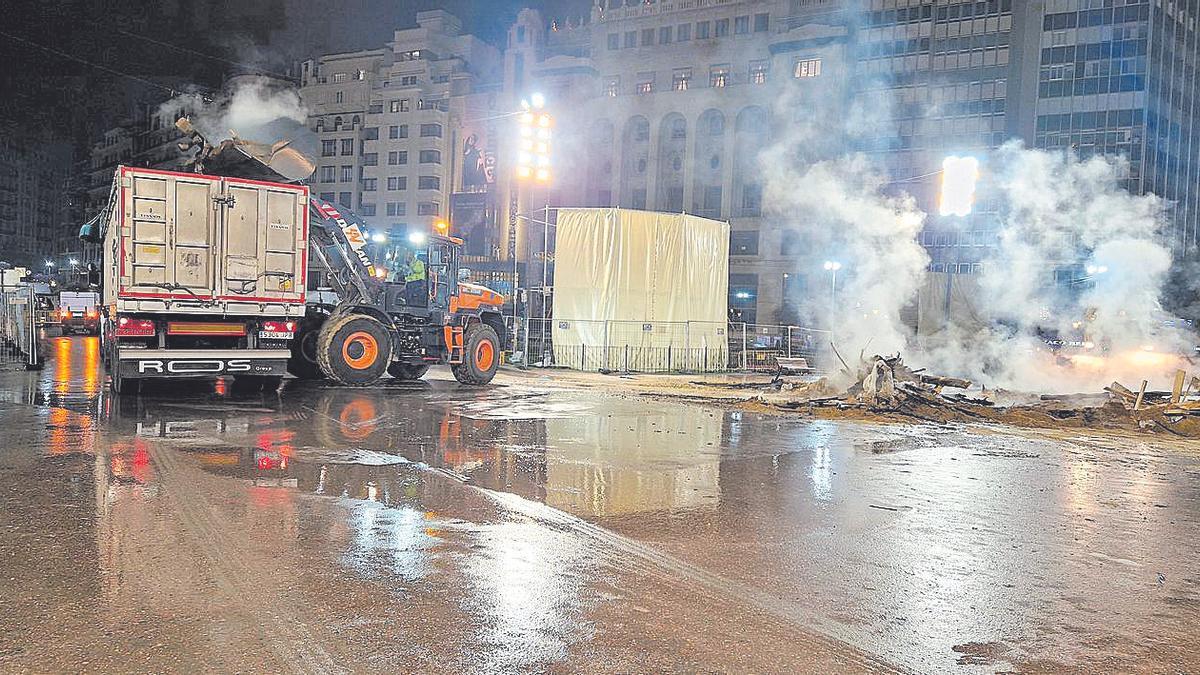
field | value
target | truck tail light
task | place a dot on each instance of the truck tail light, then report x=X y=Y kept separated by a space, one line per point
x=92 y=314
x=127 y=327
x=64 y=313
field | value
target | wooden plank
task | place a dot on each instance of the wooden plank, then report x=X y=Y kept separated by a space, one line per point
x=1177 y=387
x=1141 y=395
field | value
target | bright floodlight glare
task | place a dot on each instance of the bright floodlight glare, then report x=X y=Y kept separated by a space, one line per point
x=742 y=295
x=959 y=175
x=537 y=100
x=417 y=238
x=379 y=237
x=833 y=265
x=49 y=263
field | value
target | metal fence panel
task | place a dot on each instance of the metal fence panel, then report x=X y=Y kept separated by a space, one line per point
x=666 y=347
x=18 y=327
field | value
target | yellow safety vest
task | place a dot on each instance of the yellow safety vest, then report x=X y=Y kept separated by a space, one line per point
x=416 y=271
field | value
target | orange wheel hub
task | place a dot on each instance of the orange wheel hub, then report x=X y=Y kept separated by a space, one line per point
x=485 y=354
x=360 y=350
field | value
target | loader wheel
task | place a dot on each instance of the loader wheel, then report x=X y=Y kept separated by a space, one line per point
x=354 y=350
x=481 y=356
x=303 y=363
x=405 y=371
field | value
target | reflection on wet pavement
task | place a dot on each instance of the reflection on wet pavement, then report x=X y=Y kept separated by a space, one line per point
x=428 y=526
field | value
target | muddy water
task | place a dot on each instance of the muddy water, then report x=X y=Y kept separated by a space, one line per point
x=426 y=526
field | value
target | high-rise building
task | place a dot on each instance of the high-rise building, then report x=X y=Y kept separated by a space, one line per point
x=390 y=122
x=1121 y=78
x=667 y=106
x=37 y=200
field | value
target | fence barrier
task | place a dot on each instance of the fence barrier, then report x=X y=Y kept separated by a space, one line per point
x=18 y=327
x=665 y=347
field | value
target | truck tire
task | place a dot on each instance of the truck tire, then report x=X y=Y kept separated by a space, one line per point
x=481 y=356
x=303 y=363
x=354 y=350
x=406 y=371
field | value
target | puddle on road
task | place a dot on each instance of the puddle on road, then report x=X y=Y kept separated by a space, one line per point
x=987 y=520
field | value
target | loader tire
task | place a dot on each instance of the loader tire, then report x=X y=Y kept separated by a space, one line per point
x=354 y=350
x=481 y=356
x=405 y=371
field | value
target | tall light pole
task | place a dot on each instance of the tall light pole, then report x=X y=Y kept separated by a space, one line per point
x=532 y=167
x=832 y=266
x=49 y=267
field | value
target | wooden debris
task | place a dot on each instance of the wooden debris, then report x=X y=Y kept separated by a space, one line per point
x=1141 y=396
x=939 y=381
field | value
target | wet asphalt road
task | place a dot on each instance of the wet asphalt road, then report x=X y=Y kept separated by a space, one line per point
x=529 y=527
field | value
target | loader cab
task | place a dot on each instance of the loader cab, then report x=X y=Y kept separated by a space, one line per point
x=442 y=268
x=436 y=258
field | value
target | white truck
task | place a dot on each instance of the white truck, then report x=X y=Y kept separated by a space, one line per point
x=79 y=312
x=204 y=276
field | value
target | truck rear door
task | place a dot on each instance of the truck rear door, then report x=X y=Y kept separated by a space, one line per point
x=266 y=241
x=168 y=234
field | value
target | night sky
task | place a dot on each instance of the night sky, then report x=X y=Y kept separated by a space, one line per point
x=76 y=67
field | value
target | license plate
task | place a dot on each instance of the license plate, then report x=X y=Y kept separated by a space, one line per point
x=275 y=335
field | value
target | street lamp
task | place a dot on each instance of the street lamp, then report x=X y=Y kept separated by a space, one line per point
x=832 y=266
x=49 y=266
x=1093 y=270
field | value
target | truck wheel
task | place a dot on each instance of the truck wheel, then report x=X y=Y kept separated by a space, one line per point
x=303 y=363
x=405 y=371
x=354 y=350
x=481 y=356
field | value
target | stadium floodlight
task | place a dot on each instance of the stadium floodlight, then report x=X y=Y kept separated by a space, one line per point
x=959 y=176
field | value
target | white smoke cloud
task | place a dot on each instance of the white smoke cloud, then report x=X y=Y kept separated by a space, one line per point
x=254 y=108
x=841 y=206
x=1055 y=212
x=1059 y=211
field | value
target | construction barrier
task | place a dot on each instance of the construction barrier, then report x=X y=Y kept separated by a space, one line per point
x=19 y=327
x=667 y=347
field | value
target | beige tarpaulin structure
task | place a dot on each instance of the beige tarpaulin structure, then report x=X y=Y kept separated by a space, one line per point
x=636 y=286
x=947 y=300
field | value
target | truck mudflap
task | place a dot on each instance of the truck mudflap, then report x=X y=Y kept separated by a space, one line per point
x=150 y=363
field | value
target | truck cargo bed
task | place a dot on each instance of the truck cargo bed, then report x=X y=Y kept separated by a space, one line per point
x=206 y=245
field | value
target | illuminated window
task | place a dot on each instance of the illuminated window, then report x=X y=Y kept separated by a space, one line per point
x=758 y=72
x=645 y=83
x=718 y=76
x=613 y=86
x=808 y=68
x=680 y=79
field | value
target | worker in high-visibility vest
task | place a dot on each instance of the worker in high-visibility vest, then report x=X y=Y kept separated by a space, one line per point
x=414 y=280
